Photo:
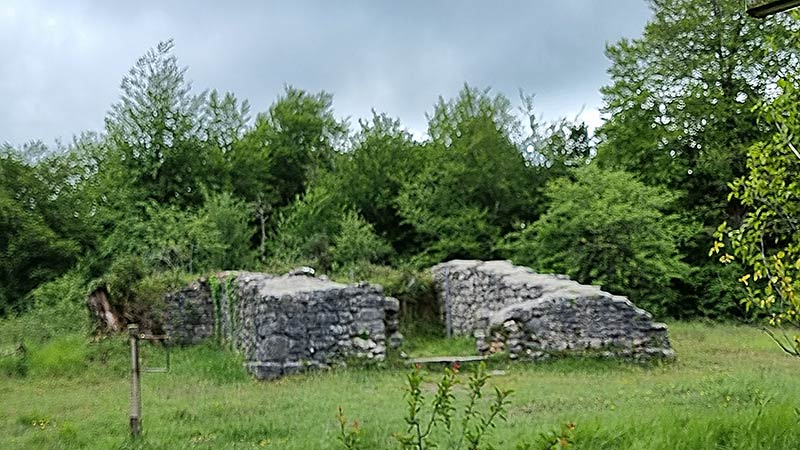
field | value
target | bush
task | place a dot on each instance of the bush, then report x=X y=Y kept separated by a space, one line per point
x=607 y=228
x=356 y=243
x=58 y=308
x=231 y=218
x=13 y=363
x=164 y=238
x=305 y=231
x=319 y=232
x=136 y=292
x=715 y=292
x=62 y=356
x=70 y=288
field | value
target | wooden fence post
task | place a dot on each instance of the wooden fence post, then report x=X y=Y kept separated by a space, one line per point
x=136 y=387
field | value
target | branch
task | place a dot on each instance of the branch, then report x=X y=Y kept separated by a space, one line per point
x=791 y=351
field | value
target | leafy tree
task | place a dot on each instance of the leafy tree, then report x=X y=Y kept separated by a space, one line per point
x=305 y=230
x=475 y=183
x=767 y=239
x=157 y=136
x=316 y=230
x=225 y=120
x=680 y=110
x=288 y=145
x=231 y=217
x=448 y=227
x=167 y=238
x=369 y=177
x=607 y=228
x=558 y=147
x=681 y=96
x=68 y=183
x=31 y=252
x=356 y=243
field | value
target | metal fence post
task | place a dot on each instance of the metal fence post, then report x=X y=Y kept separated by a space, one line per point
x=136 y=387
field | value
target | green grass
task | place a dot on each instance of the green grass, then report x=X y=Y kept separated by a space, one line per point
x=730 y=388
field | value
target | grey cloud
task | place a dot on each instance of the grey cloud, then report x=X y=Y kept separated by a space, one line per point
x=62 y=61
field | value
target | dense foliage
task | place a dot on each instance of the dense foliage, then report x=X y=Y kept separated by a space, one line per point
x=766 y=241
x=182 y=182
x=605 y=227
x=680 y=110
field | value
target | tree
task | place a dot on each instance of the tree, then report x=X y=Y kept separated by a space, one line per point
x=356 y=244
x=305 y=230
x=607 y=228
x=681 y=96
x=767 y=239
x=475 y=183
x=288 y=146
x=225 y=120
x=157 y=135
x=680 y=109
x=31 y=252
x=231 y=217
x=370 y=176
x=558 y=147
x=317 y=230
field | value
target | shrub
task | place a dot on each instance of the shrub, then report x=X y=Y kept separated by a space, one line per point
x=167 y=238
x=317 y=231
x=356 y=243
x=765 y=243
x=136 y=292
x=13 y=363
x=70 y=288
x=58 y=308
x=62 y=356
x=230 y=217
x=440 y=424
x=305 y=231
x=607 y=228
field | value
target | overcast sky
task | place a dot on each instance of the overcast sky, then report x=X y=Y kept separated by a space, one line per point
x=61 y=62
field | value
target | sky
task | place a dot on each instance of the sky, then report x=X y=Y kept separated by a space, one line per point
x=61 y=62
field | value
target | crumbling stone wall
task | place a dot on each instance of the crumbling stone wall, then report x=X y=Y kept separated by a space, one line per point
x=285 y=324
x=189 y=314
x=513 y=309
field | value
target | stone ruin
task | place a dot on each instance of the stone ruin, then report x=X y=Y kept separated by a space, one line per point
x=285 y=324
x=513 y=309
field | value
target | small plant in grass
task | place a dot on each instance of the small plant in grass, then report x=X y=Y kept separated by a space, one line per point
x=440 y=425
x=424 y=421
x=349 y=433
x=554 y=440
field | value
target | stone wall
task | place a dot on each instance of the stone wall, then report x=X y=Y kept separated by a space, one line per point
x=513 y=309
x=285 y=324
x=189 y=314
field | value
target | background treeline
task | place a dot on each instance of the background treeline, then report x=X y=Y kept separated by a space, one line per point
x=183 y=183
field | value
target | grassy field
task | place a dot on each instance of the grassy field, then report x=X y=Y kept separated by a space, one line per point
x=730 y=388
